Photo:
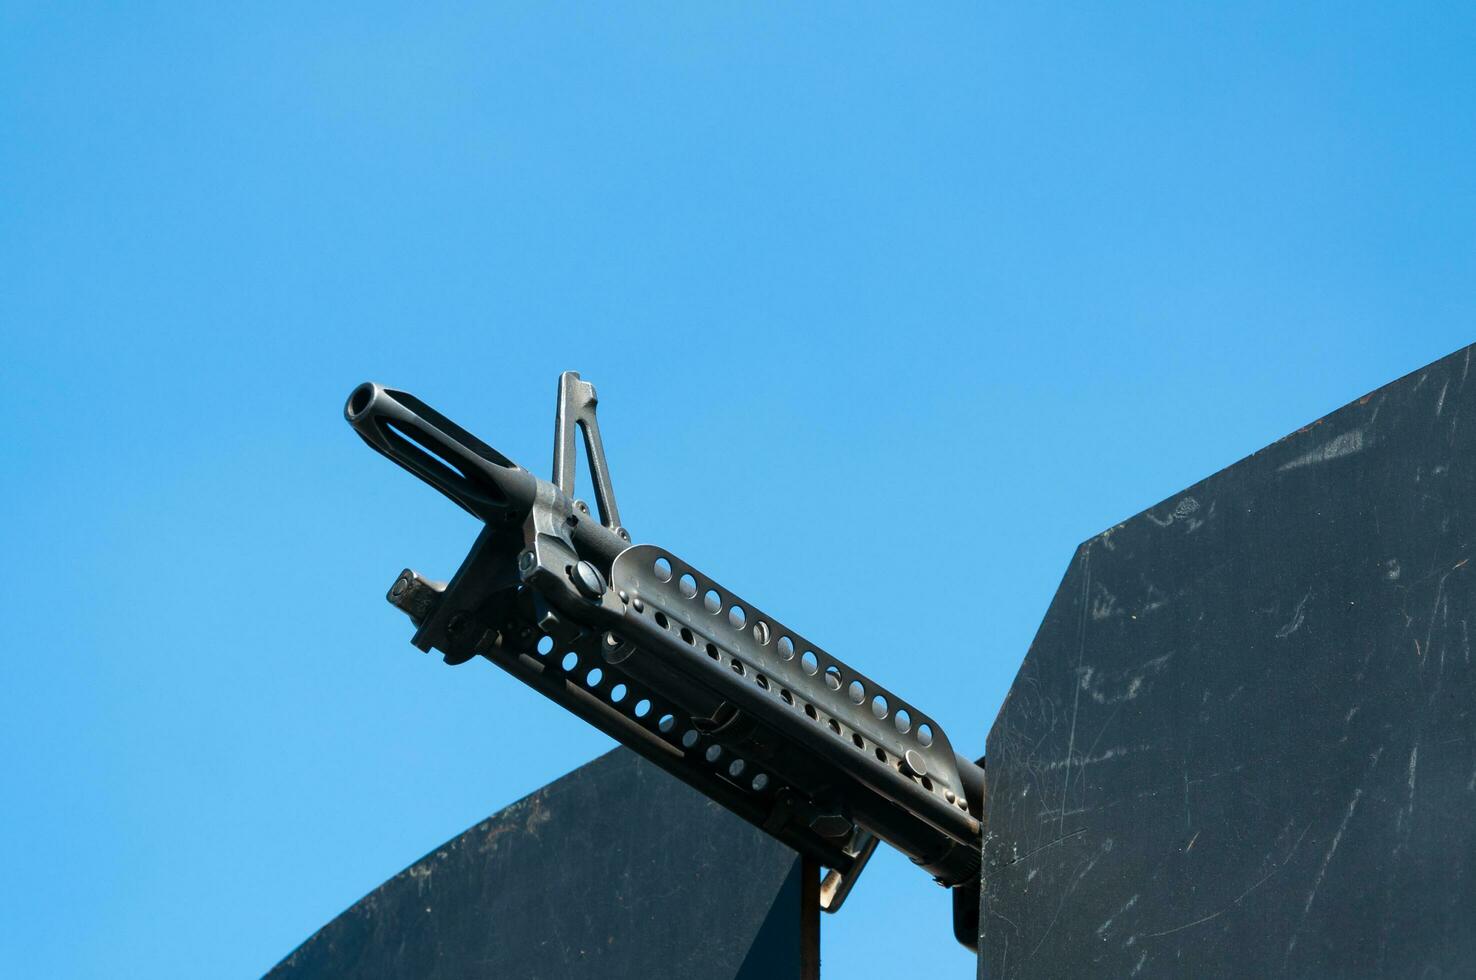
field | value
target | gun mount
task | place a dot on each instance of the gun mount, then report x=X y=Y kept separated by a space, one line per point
x=645 y=647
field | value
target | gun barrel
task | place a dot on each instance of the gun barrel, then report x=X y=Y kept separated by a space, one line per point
x=478 y=478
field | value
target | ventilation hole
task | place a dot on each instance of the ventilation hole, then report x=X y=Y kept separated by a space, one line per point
x=687 y=585
x=714 y=753
x=761 y=632
x=761 y=681
x=737 y=617
x=570 y=661
x=833 y=677
x=835 y=726
x=902 y=720
x=948 y=795
x=785 y=696
x=858 y=740
x=667 y=723
x=690 y=739
x=736 y=769
x=857 y=690
x=711 y=601
x=687 y=635
x=925 y=734
x=617 y=693
x=879 y=706
x=810 y=710
x=662 y=569
x=642 y=708
x=881 y=755
x=415 y=438
x=737 y=666
x=786 y=648
x=712 y=651
x=927 y=784
x=662 y=621
x=545 y=645
x=594 y=677
x=760 y=783
x=809 y=662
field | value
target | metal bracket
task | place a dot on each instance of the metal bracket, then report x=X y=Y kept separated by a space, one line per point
x=577 y=403
x=885 y=741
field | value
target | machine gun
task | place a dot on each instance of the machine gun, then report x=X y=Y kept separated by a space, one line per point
x=654 y=653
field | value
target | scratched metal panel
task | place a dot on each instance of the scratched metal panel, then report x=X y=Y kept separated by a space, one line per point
x=1243 y=742
x=615 y=870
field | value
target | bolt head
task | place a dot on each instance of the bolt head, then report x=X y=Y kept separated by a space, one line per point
x=588 y=580
x=914 y=761
x=831 y=825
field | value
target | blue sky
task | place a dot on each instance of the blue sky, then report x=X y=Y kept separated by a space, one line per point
x=888 y=309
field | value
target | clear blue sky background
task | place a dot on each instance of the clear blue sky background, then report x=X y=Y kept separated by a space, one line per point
x=888 y=308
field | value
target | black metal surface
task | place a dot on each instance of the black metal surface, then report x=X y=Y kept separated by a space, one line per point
x=730 y=701
x=1243 y=742
x=615 y=870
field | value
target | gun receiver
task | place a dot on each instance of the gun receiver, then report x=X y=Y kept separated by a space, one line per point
x=668 y=662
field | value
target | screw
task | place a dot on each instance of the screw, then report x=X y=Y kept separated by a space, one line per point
x=588 y=580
